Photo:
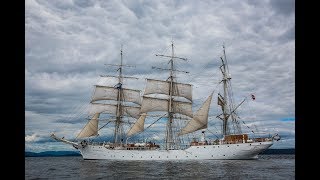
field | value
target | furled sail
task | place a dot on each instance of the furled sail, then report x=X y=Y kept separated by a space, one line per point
x=91 y=128
x=221 y=100
x=162 y=87
x=138 y=126
x=150 y=104
x=111 y=93
x=199 y=120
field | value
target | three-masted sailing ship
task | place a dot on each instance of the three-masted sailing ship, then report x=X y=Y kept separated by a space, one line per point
x=172 y=101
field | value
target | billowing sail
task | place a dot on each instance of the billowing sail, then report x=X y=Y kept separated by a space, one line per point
x=131 y=111
x=131 y=95
x=111 y=93
x=102 y=108
x=199 y=120
x=150 y=104
x=104 y=93
x=162 y=87
x=138 y=126
x=91 y=128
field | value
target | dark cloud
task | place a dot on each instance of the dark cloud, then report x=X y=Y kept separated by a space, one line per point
x=84 y=3
x=285 y=7
x=289 y=35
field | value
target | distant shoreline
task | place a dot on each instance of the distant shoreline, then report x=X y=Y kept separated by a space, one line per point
x=76 y=153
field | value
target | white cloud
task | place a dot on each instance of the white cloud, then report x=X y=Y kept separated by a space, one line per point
x=31 y=138
x=68 y=43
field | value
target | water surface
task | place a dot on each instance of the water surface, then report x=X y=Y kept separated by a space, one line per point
x=266 y=167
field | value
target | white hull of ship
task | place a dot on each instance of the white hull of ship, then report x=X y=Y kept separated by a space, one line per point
x=224 y=151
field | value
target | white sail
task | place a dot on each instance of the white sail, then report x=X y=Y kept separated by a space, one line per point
x=199 y=120
x=102 y=108
x=104 y=93
x=150 y=104
x=131 y=111
x=91 y=128
x=138 y=126
x=111 y=93
x=162 y=87
x=131 y=95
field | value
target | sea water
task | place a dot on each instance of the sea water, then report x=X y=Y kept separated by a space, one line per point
x=266 y=167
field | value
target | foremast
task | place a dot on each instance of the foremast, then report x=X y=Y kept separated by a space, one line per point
x=115 y=101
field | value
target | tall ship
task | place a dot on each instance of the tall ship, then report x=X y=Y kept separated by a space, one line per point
x=167 y=103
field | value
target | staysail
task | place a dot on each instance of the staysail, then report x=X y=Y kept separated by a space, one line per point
x=199 y=120
x=91 y=128
x=138 y=126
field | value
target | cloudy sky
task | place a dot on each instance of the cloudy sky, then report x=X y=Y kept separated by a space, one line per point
x=69 y=41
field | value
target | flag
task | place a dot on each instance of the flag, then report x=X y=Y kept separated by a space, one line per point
x=253 y=97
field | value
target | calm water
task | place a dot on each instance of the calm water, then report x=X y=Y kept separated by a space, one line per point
x=266 y=167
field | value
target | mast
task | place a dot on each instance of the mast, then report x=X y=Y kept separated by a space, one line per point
x=118 y=127
x=225 y=96
x=226 y=101
x=169 y=141
x=113 y=100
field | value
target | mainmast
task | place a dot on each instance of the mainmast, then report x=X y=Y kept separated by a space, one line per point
x=169 y=140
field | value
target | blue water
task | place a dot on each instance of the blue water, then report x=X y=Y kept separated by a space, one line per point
x=266 y=167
